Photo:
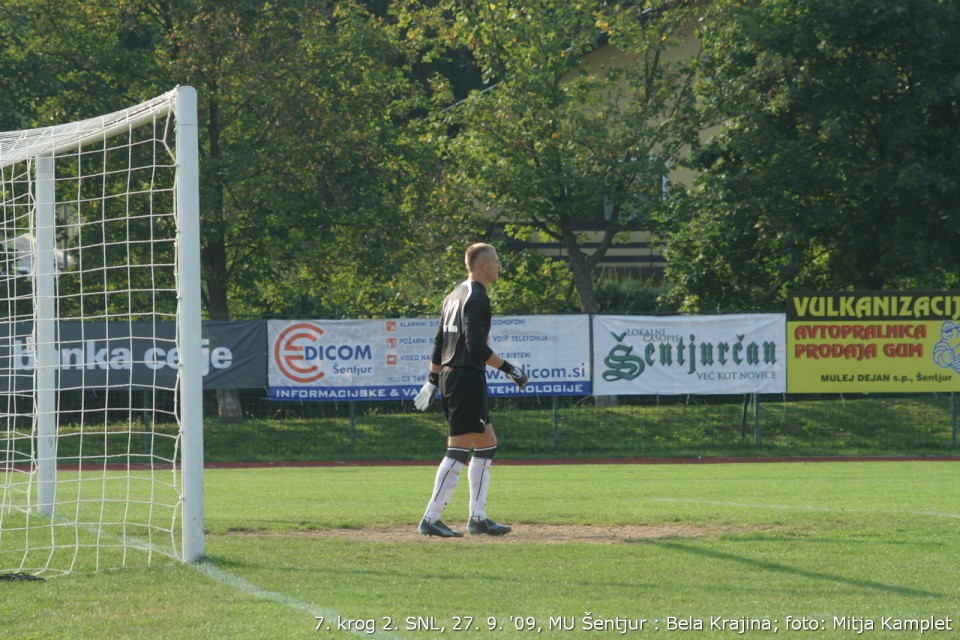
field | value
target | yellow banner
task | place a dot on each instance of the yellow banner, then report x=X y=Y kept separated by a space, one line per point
x=873 y=342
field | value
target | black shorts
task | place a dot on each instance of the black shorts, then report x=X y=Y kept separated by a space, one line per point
x=463 y=392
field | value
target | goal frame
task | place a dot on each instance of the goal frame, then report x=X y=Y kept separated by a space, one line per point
x=42 y=150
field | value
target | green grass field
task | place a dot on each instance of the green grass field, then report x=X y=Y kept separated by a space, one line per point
x=816 y=550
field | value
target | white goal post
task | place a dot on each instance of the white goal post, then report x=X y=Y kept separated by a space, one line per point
x=101 y=466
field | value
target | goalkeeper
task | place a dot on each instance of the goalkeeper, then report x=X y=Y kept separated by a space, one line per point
x=461 y=354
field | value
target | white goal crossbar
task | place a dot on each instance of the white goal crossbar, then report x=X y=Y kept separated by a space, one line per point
x=99 y=232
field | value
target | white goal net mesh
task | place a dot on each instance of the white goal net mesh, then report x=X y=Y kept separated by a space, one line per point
x=92 y=349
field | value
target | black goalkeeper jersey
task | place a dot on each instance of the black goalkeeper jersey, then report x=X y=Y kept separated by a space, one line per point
x=461 y=339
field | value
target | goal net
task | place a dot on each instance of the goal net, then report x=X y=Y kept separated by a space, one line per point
x=101 y=446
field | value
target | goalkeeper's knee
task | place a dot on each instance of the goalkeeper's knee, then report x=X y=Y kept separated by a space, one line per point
x=486 y=453
x=460 y=455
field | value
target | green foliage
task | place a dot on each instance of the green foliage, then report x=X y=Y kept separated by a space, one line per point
x=351 y=150
x=629 y=296
x=317 y=182
x=720 y=258
x=833 y=164
x=101 y=59
x=327 y=216
x=559 y=135
x=531 y=283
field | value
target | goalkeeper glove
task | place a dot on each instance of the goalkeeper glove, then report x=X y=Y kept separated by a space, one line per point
x=427 y=392
x=514 y=373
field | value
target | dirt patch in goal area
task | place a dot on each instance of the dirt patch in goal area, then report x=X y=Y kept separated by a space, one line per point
x=539 y=533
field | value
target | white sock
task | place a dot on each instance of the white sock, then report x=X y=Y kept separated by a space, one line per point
x=448 y=476
x=478 y=475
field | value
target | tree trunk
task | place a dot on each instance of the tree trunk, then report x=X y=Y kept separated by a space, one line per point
x=582 y=272
x=582 y=277
x=214 y=258
x=228 y=405
x=228 y=400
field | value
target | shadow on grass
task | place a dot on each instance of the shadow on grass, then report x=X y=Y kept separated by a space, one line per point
x=224 y=562
x=796 y=571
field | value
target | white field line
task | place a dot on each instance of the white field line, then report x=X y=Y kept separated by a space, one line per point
x=330 y=617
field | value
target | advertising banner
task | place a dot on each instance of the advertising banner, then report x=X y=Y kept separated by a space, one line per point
x=553 y=350
x=132 y=355
x=235 y=354
x=873 y=342
x=645 y=355
x=329 y=360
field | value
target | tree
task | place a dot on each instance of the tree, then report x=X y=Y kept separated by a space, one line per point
x=835 y=165
x=551 y=141
x=317 y=174
x=313 y=183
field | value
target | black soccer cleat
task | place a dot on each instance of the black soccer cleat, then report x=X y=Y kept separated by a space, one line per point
x=488 y=527
x=437 y=528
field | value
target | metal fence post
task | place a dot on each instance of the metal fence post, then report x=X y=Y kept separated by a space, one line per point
x=556 y=420
x=953 y=418
x=353 y=426
x=756 y=420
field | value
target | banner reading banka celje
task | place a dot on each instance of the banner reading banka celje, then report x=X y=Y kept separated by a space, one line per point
x=370 y=360
x=873 y=342
x=134 y=355
x=735 y=354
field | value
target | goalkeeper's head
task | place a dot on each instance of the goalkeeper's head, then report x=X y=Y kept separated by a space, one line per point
x=482 y=262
